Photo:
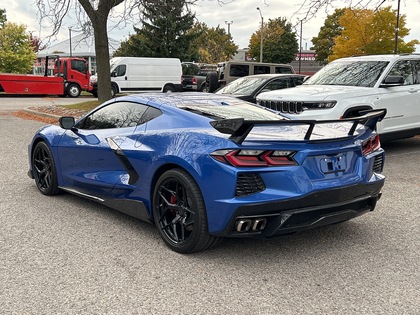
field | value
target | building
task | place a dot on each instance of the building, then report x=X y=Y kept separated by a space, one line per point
x=305 y=62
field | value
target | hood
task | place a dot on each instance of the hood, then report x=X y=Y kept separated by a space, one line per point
x=316 y=93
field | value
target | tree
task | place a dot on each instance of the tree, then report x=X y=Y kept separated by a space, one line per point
x=212 y=44
x=95 y=14
x=37 y=43
x=367 y=32
x=280 y=43
x=164 y=31
x=3 y=18
x=324 y=42
x=16 y=52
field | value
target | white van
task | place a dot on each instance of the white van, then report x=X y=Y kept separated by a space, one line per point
x=143 y=74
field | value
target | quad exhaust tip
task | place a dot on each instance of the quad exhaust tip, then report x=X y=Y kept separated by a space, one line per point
x=250 y=225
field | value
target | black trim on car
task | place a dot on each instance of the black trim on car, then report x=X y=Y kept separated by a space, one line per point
x=314 y=210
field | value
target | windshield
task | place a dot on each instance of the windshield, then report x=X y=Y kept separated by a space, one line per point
x=242 y=86
x=349 y=73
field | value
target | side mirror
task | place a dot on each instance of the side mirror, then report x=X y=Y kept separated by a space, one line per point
x=114 y=74
x=66 y=122
x=392 y=81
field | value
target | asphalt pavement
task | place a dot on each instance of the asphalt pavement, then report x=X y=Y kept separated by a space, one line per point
x=67 y=255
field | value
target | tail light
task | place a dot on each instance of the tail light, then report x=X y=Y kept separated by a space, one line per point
x=371 y=145
x=255 y=158
x=194 y=80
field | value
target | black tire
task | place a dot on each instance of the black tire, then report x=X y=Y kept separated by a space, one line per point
x=114 y=90
x=180 y=214
x=73 y=90
x=168 y=88
x=44 y=171
x=212 y=82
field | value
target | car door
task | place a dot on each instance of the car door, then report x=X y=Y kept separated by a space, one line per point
x=90 y=157
x=402 y=102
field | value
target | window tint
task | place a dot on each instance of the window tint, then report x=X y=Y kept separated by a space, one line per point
x=120 y=70
x=416 y=71
x=79 y=65
x=283 y=70
x=150 y=113
x=297 y=80
x=261 y=69
x=278 y=84
x=403 y=68
x=239 y=70
x=118 y=115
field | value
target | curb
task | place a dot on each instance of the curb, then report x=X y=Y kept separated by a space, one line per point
x=42 y=114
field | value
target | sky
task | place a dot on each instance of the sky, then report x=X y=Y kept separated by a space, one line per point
x=241 y=17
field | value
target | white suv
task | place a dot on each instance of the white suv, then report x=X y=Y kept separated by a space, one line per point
x=347 y=86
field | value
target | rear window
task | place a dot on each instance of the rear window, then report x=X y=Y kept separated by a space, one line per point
x=261 y=69
x=230 y=110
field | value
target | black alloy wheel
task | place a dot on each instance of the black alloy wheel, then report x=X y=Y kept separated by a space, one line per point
x=179 y=213
x=44 y=171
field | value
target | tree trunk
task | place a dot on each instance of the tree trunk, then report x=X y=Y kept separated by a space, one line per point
x=102 y=59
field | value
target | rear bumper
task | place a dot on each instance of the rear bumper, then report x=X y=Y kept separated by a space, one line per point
x=317 y=209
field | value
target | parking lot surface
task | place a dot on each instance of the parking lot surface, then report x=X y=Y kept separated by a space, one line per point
x=67 y=255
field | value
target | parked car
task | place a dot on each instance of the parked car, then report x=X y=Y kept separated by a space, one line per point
x=348 y=86
x=143 y=74
x=229 y=71
x=205 y=166
x=247 y=88
x=194 y=75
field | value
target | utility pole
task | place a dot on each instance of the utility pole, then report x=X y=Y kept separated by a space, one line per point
x=262 y=35
x=397 y=27
x=300 y=46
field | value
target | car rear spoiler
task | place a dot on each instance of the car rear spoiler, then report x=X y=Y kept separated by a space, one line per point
x=239 y=128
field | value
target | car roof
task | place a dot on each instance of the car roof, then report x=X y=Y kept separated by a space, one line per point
x=387 y=57
x=177 y=98
x=274 y=75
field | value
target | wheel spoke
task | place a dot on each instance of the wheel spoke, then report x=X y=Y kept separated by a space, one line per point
x=176 y=217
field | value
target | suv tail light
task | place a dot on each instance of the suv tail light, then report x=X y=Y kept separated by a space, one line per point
x=254 y=158
x=371 y=145
x=194 y=80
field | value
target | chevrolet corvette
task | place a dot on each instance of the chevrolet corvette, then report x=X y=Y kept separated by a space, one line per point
x=203 y=167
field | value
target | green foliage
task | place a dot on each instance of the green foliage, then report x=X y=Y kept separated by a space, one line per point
x=361 y=32
x=16 y=50
x=279 y=42
x=164 y=31
x=3 y=18
x=211 y=45
x=324 y=42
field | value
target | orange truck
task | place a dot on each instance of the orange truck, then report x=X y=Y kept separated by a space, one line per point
x=70 y=76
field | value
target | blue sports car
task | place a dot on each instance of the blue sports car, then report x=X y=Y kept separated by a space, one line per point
x=202 y=167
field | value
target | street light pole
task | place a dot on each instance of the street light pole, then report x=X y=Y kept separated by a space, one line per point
x=262 y=35
x=70 y=39
x=228 y=24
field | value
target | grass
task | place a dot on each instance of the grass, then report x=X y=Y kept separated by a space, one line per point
x=86 y=106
